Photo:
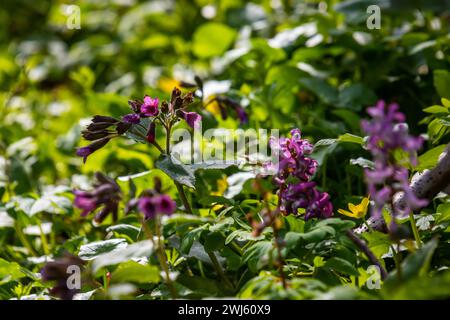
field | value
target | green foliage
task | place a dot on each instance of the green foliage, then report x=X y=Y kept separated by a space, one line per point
x=289 y=64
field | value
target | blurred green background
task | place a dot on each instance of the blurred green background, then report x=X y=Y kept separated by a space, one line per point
x=308 y=64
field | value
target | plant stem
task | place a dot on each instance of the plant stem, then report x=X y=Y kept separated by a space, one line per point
x=369 y=254
x=218 y=269
x=280 y=257
x=43 y=239
x=414 y=229
x=183 y=197
x=23 y=239
x=160 y=254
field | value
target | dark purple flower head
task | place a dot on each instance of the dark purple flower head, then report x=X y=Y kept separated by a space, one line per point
x=150 y=107
x=133 y=118
x=164 y=204
x=151 y=134
x=242 y=115
x=193 y=119
x=147 y=206
x=86 y=201
x=94 y=146
x=388 y=138
x=59 y=272
x=150 y=206
x=84 y=152
x=106 y=193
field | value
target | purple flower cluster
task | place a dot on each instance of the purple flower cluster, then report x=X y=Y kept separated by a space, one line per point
x=58 y=271
x=388 y=139
x=100 y=131
x=295 y=170
x=226 y=103
x=106 y=193
x=103 y=128
x=151 y=206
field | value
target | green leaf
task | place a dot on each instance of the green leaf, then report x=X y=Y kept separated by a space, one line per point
x=356 y=96
x=436 y=109
x=142 y=249
x=321 y=89
x=256 y=255
x=348 y=137
x=9 y=271
x=94 y=249
x=414 y=266
x=430 y=158
x=378 y=242
x=212 y=39
x=177 y=171
x=126 y=229
x=146 y=180
x=132 y=271
x=341 y=265
x=51 y=203
x=442 y=83
x=214 y=241
x=138 y=132
x=242 y=235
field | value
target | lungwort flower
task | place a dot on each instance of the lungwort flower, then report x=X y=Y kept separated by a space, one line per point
x=150 y=107
x=356 y=211
x=100 y=131
x=106 y=194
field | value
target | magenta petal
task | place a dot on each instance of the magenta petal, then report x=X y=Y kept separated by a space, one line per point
x=193 y=119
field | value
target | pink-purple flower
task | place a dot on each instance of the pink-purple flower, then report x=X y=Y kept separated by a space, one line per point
x=106 y=194
x=151 y=206
x=193 y=119
x=150 y=107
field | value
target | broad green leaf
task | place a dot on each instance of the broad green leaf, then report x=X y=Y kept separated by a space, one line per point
x=322 y=89
x=442 y=83
x=212 y=39
x=142 y=249
x=378 y=242
x=356 y=96
x=257 y=255
x=348 y=137
x=341 y=265
x=132 y=271
x=9 y=271
x=430 y=158
x=94 y=249
x=214 y=241
x=177 y=171
x=436 y=109
x=126 y=229
x=416 y=265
